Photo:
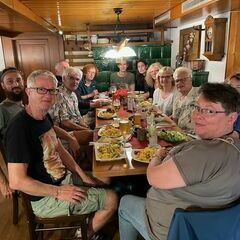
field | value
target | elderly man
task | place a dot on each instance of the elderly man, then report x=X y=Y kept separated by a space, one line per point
x=191 y=174
x=65 y=113
x=38 y=163
x=182 y=105
x=59 y=68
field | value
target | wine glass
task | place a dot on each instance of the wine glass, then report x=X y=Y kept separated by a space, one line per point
x=116 y=105
x=112 y=90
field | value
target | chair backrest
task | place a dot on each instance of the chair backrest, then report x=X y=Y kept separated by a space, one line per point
x=36 y=224
x=221 y=224
x=15 y=194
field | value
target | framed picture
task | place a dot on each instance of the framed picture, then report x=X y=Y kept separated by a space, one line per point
x=189 y=46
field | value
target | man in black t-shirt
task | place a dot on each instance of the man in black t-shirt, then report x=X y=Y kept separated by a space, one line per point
x=38 y=164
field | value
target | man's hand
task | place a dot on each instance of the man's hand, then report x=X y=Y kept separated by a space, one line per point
x=6 y=190
x=74 y=146
x=71 y=193
x=89 y=181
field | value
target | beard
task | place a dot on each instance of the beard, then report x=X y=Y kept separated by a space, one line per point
x=15 y=96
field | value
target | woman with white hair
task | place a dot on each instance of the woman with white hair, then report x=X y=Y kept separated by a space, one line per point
x=165 y=94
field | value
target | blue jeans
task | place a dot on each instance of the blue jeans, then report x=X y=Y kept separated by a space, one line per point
x=131 y=213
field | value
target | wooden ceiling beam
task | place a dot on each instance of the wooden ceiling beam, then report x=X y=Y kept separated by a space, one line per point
x=118 y=31
x=16 y=7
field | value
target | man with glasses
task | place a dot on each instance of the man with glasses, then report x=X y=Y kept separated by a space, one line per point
x=39 y=165
x=182 y=104
x=202 y=173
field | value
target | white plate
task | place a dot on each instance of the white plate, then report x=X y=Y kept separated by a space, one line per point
x=103 y=129
x=122 y=154
x=100 y=114
x=134 y=156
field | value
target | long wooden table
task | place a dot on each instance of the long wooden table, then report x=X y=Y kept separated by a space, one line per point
x=118 y=167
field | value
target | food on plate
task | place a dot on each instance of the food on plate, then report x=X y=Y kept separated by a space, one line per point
x=144 y=155
x=106 y=113
x=110 y=131
x=145 y=104
x=109 y=151
x=172 y=136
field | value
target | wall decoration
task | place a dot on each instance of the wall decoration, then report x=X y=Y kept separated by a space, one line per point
x=189 y=46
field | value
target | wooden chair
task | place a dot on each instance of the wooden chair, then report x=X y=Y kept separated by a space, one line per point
x=38 y=225
x=15 y=194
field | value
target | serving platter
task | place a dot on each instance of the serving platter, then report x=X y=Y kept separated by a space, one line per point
x=143 y=155
x=106 y=114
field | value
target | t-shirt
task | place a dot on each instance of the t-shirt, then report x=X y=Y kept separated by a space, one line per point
x=210 y=169
x=165 y=104
x=82 y=90
x=149 y=89
x=139 y=82
x=120 y=81
x=7 y=111
x=182 y=109
x=34 y=142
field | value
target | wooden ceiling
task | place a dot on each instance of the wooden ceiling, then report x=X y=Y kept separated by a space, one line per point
x=74 y=15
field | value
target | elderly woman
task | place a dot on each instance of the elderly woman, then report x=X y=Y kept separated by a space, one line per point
x=150 y=80
x=165 y=94
x=87 y=90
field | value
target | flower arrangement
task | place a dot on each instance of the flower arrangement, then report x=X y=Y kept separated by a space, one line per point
x=120 y=93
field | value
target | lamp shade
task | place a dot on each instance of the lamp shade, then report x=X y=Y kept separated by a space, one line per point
x=127 y=52
x=122 y=53
x=112 y=53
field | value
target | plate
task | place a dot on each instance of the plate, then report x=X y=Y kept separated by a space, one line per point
x=172 y=136
x=143 y=155
x=164 y=125
x=145 y=104
x=106 y=114
x=109 y=131
x=109 y=151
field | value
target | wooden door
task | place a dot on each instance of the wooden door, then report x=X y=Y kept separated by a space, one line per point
x=32 y=55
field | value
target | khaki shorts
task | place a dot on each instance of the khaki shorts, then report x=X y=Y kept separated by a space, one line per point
x=52 y=207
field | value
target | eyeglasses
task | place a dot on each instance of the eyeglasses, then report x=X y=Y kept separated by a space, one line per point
x=73 y=78
x=182 y=80
x=166 y=77
x=43 y=91
x=206 y=111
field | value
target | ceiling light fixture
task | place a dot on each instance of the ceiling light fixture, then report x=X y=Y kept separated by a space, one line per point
x=120 y=51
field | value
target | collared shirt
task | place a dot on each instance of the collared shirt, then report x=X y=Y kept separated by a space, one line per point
x=182 y=109
x=66 y=107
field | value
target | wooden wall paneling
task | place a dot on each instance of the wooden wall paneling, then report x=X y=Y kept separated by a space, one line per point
x=17 y=51
x=233 y=51
x=8 y=52
x=32 y=55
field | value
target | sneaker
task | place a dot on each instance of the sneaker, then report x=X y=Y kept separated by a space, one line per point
x=78 y=234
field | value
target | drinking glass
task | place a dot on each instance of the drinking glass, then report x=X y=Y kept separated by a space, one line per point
x=116 y=105
x=124 y=127
x=112 y=90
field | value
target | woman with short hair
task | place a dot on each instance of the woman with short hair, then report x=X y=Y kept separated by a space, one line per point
x=165 y=94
